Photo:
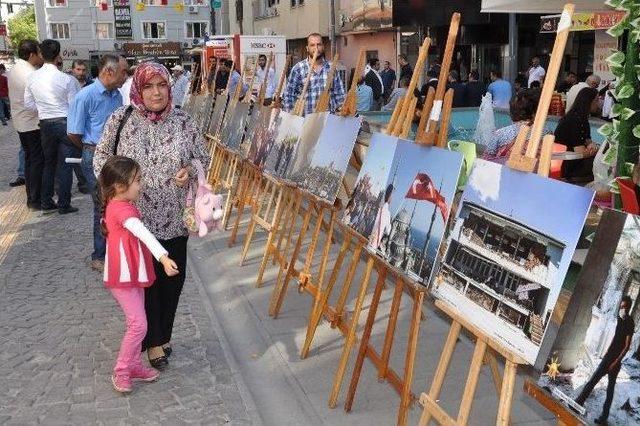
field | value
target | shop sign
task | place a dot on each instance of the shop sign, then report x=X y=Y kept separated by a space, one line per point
x=152 y=49
x=583 y=21
x=122 y=19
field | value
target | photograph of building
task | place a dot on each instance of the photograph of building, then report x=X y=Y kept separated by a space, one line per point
x=219 y=108
x=592 y=327
x=281 y=153
x=402 y=200
x=256 y=131
x=328 y=159
x=237 y=124
x=309 y=136
x=506 y=257
x=265 y=138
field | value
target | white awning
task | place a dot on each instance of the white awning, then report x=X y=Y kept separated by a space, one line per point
x=540 y=6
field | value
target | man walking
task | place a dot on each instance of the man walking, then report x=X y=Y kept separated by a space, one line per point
x=612 y=360
x=535 y=72
x=49 y=91
x=317 y=83
x=88 y=112
x=180 y=86
x=261 y=73
x=373 y=80
x=25 y=121
x=388 y=75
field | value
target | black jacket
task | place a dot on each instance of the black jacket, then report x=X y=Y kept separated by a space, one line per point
x=372 y=81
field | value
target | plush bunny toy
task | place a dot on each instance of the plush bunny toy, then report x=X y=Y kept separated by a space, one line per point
x=207 y=210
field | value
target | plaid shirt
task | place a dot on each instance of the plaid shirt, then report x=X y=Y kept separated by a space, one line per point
x=317 y=84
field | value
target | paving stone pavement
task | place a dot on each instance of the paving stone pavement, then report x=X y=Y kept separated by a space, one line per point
x=60 y=330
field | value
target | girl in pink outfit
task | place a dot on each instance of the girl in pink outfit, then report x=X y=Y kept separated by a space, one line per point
x=128 y=267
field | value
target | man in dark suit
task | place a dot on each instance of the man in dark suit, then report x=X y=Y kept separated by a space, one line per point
x=373 y=80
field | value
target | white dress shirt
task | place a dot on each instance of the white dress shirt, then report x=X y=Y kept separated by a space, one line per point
x=24 y=120
x=536 y=74
x=50 y=91
x=271 y=81
x=125 y=91
x=179 y=90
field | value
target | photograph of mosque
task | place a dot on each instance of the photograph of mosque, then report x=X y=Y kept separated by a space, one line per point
x=320 y=167
x=402 y=200
x=596 y=328
x=506 y=256
x=282 y=147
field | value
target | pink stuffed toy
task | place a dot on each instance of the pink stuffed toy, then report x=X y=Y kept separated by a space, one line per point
x=205 y=213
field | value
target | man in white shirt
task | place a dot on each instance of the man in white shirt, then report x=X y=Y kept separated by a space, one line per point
x=535 y=72
x=25 y=121
x=125 y=90
x=592 y=81
x=49 y=91
x=271 y=79
x=180 y=86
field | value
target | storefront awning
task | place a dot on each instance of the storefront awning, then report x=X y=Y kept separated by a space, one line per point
x=540 y=6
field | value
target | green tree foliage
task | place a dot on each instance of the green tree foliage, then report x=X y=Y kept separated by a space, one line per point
x=22 y=26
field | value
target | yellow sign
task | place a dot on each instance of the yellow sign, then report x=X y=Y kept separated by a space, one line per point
x=140 y=7
x=179 y=7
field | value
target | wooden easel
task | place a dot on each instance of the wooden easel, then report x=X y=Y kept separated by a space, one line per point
x=351 y=99
x=399 y=126
x=250 y=192
x=565 y=416
x=267 y=216
x=525 y=163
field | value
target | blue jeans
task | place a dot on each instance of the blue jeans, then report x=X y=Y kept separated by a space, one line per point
x=4 y=102
x=99 y=243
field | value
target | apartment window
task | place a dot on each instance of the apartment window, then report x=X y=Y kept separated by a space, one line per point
x=98 y=3
x=155 y=2
x=153 y=30
x=271 y=3
x=196 y=29
x=9 y=7
x=56 y=3
x=295 y=3
x=104 y=31
x=194 y=2
x=60 y=31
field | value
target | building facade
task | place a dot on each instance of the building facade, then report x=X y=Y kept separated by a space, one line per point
x=161 y=29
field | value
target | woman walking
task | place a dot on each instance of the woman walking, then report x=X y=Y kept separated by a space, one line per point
x=164 y=141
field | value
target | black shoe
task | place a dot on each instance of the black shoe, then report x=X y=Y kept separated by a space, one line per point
x=49 y=209
x=33 y=206
x=601 y=421
x=4 y=123
x=159 y=363
x=67 y=210
x=18 y=182
x=168 y=351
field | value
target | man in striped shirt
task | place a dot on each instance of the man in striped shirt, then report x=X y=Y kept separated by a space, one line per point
x=317 y=83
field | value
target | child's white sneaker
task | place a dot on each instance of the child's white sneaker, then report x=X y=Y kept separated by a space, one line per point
x=143 y=373
x=121 y=383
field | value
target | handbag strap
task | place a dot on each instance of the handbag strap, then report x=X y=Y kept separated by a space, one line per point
x=202 y=180
x=125 y=117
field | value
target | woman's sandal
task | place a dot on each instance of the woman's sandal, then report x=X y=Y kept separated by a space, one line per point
x=159 y=363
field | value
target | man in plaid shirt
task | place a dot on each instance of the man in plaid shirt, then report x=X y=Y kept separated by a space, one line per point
x=317 y=82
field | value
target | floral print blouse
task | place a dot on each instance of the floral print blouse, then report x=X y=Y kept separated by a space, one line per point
x=161 y=148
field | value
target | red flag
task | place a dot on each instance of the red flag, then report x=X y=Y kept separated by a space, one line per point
x=164 y=2
x=104 y=5
x=422 y=189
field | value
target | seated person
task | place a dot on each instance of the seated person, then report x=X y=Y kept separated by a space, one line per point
x=522 y=109
x=397 y=94
x=574 y=132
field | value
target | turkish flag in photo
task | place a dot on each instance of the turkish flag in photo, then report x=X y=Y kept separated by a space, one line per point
x=422 y=189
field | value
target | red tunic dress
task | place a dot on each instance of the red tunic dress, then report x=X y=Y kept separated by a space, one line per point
x=128 y=262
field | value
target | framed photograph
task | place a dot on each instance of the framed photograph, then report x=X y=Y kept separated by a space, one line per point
x=507 y=253
x=225 y=124
x=219 y=108
x=593 y=365
x=320 y=167
x=256 y=127
x=401 y=202
x=264 y=141
x=237 y=126
x=281 y=153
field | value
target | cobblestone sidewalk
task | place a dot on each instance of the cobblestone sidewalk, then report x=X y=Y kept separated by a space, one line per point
x=60 y=331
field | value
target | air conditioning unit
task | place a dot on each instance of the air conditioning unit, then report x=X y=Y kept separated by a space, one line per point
x=193 y=9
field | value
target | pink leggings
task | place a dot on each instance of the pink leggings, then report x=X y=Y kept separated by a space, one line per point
x=131 y=300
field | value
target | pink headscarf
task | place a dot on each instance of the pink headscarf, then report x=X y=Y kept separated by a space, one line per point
x=145 y=72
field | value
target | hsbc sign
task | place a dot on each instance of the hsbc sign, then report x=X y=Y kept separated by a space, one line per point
x=262 y=45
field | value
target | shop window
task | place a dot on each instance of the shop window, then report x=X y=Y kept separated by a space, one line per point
x=56 y=3
x=104 y=31
x=295 y=3
x=196 y=29
x=154 y=30
x=59 y=31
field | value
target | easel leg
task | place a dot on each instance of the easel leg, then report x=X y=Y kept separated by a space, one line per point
x=272 y=235
x=322 y=297
x=353 y=266
x=351 y=335
x=410 y=359
x=506 y=394
x=472 y=382
x=246 y=192
x=366 y=335
x=441 y=371
x=391 y=328
x=235 y=197
x=281 y=289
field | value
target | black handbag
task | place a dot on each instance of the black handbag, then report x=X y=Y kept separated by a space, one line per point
x=125 y=117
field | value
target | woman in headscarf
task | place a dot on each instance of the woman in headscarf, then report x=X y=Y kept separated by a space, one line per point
x=164 y=141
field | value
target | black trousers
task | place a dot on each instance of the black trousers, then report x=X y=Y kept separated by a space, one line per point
x=33 y=163
x=600 y=372
x=161 y=299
